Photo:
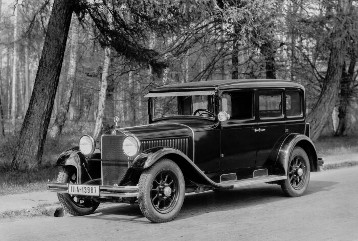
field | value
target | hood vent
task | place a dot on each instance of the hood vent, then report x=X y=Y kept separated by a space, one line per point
x=176 y=143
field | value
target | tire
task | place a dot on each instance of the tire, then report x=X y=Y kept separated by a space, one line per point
x=161 y=191
x=74 y=205
x=298 y=173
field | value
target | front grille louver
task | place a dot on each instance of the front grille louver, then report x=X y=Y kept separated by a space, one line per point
x=176 y=143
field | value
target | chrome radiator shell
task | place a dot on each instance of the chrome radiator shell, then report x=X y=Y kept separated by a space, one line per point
x=114 y=161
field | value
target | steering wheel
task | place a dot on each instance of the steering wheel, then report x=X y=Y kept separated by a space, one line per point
x=203 y=112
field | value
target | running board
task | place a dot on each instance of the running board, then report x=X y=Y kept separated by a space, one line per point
x=251 y=181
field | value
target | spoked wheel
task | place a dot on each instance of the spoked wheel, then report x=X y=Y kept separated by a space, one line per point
x=161 y=191
x=298 y=173
x=75 y=205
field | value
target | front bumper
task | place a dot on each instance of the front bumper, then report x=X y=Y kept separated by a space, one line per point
x=104 y=191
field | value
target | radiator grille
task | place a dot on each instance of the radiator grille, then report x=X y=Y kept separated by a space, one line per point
x=177 y=143
x=114 y=161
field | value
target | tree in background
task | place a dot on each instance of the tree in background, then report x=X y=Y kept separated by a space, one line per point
x=323 y=108
x=71 y=77
x=195 y=41
x=34 y=129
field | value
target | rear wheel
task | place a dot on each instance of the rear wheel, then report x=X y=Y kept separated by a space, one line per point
x=75 y=205
x=298 y=173
x=161 y=191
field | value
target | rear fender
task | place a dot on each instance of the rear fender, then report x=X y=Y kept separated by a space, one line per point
x=292 y=141
x=187 y=166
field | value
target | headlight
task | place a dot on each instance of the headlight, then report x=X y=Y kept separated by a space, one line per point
x=130 y=146
x=87 y=145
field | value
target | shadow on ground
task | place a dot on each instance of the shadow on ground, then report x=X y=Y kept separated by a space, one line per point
x=198 y=204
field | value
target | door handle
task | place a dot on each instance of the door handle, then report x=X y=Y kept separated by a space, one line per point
x=259 y=130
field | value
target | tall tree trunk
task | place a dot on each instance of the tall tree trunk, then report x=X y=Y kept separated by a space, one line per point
x=102 y=94
x=27 y=75
x=27 y=67
x=130 y=100
x=109 y=110
x=269 y=55
x=345 y=95
x=322 y=110
x=139 y=112
x=293 y=32
x=2 y=125
x=71 y=77
x=235 y=52
x=34 y=128
x=8 y=78
x=186 y=68
x=14 y=73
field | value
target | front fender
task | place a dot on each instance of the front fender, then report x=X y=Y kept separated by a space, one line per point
x=187 y=166
x=289 y=143
x=147 y=159
x=72 y=157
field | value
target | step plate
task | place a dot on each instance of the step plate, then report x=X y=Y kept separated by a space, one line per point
x=252 y=181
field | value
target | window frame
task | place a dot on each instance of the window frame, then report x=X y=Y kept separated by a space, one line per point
x=301 y=94
x=265 y=92
x=253 y=114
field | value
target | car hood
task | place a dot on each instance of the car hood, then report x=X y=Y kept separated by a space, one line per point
x=169 y=128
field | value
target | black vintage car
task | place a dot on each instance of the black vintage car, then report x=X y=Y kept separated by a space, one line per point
x=201 y=136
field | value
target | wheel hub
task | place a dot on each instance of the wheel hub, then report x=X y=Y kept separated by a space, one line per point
x=167 y=191
x=300 y=172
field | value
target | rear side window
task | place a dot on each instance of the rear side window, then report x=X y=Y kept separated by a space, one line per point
x=239 y=104
x=293 y=103
x=270 y=104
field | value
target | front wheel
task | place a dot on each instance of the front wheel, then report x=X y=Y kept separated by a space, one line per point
x=77 y=206
x=298 y=173
x=161 y=191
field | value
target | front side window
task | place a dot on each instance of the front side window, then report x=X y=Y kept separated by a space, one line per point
x=270 y=104
x=238 y=104
x=176 y=106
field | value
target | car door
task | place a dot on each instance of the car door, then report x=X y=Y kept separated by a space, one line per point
x=238 y=142
x=271 y=123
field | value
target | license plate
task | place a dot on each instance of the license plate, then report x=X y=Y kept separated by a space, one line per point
x=86 y=190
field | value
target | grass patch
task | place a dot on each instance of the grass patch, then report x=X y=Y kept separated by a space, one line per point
x=12 y=182
x=329 y=145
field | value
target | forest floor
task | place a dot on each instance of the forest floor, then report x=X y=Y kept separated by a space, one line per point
x=14 y=182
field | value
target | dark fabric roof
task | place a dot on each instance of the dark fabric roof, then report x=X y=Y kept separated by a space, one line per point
x=227 y=84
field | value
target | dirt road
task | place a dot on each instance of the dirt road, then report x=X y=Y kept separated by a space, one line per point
x=329 y=211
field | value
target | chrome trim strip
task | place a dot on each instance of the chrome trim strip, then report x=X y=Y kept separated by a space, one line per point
x=271 y=118
x=253 y=181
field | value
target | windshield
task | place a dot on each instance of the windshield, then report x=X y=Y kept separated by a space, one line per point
x=176 y=106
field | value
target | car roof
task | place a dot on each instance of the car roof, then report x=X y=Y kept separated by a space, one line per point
x=227 y=84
